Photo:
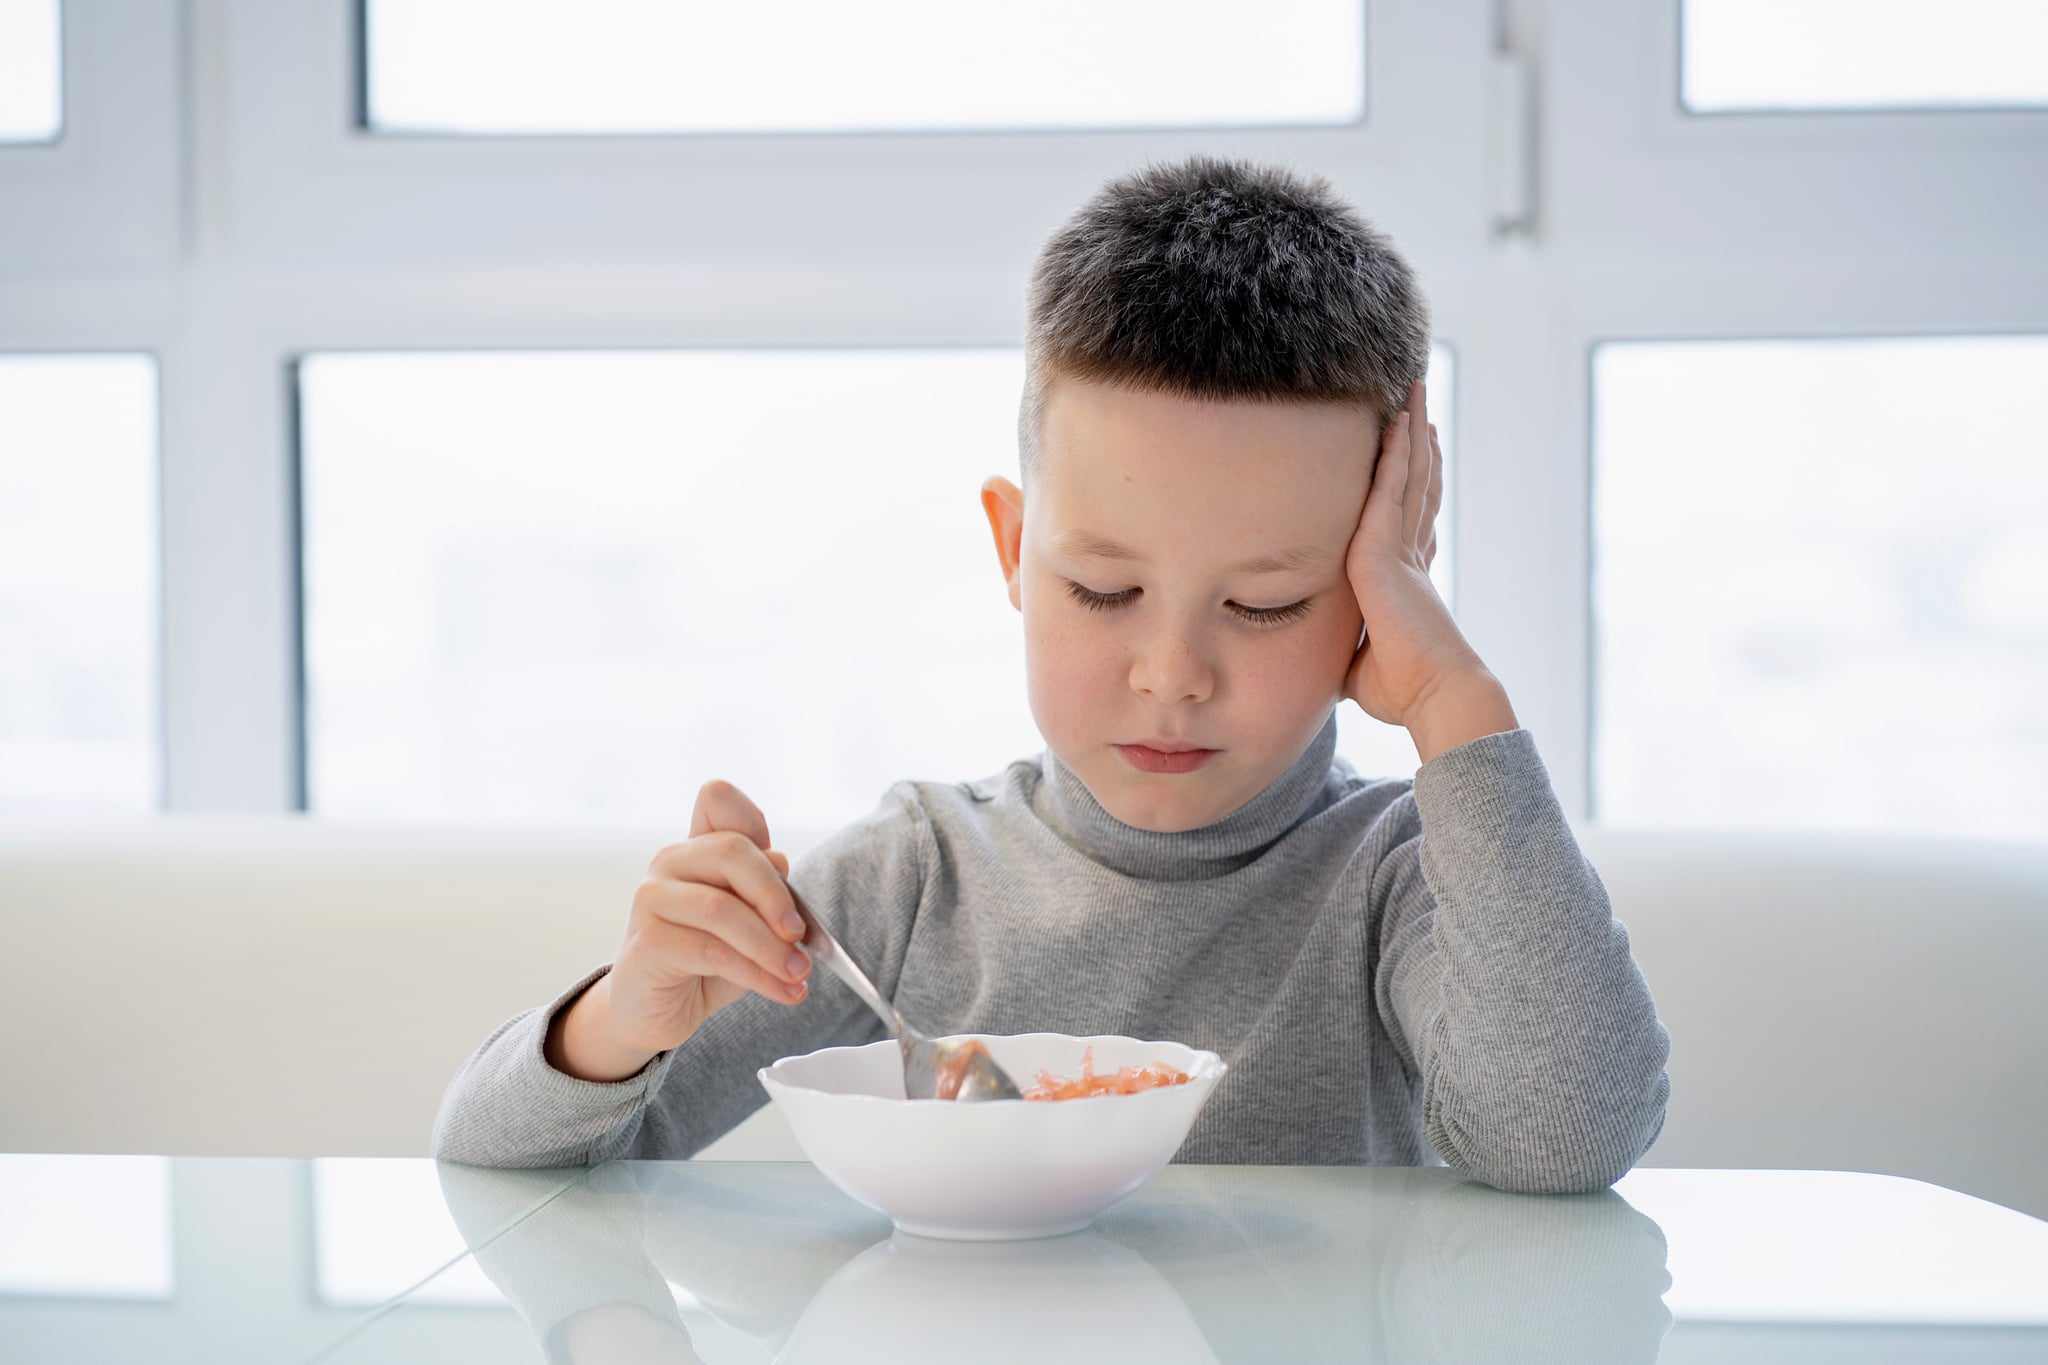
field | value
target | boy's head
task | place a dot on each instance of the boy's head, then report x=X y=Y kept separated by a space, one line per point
x=1212 y=350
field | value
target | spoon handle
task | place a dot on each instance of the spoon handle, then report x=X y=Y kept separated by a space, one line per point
x=822 y=947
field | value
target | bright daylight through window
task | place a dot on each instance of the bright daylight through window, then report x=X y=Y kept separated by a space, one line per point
x=31 y=70
x=656 y=66
x=1819 y=584
x=1864 y=54
x=78 y=584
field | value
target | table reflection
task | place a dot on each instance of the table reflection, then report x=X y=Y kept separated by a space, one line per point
x=1210 y=1266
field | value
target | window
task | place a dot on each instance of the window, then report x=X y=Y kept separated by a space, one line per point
x=1821 y=584
x=1864 y=54
x=78 y=584
x=31 y=71
x=581 y=584
x=467 y=204
x=656 y=66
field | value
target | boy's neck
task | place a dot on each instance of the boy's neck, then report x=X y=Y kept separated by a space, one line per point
x=1064 y=802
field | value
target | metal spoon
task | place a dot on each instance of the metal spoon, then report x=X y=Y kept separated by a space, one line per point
x=933 y=1069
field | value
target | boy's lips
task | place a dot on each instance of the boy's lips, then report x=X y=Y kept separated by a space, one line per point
x=1165 y=756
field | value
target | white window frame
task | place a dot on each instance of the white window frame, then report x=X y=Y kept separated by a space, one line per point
x=251 y=221
x=105 y=193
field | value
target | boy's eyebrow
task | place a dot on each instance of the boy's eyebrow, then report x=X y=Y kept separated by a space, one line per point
x=1090 y=545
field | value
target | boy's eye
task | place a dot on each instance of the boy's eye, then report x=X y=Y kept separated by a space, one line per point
x=1098 y=601
x=1272 y=616
x=1109 y=601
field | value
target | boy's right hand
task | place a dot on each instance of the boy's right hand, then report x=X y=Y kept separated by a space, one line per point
x=711 y=921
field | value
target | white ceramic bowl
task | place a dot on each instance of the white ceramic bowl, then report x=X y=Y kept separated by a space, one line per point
x=994 y=1170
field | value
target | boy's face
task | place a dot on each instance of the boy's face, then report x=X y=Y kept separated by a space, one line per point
x=1194 y=492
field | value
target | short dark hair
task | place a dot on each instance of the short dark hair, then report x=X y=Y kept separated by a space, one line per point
x=1214 y=278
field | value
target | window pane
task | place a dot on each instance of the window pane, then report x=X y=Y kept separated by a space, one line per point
x=1864 y=54
x=31 y=71
x=661 y=66
x=548 y=584
x=1378 y=750
x=78 y=584
x=1819 y=573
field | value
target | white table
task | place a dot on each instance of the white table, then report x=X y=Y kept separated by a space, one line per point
x=227 y=1260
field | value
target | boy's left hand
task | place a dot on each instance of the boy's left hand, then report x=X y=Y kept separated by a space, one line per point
x=1415 y=667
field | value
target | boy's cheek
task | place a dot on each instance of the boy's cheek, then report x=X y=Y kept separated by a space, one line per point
x=1068 y=661
x=1347 y=621
x=1053 y=649
x=1305 y=671
x=1328 y=648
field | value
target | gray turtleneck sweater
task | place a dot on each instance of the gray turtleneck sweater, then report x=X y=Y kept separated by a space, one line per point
x=1397 y=972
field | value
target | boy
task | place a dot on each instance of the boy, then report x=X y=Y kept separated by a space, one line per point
x=1208 y=557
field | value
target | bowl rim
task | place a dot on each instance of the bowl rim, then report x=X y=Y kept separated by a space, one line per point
x=1208 y=1069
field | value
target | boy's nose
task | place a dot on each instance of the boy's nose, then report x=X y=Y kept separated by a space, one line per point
x=1171 y=670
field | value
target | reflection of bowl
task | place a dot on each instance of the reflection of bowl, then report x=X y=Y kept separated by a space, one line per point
x=995 y=1169
x=1076 y=1300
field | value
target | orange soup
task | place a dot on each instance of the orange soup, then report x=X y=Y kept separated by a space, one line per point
x=1125 y=1080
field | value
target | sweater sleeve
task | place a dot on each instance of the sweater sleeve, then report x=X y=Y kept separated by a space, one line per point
x=1507 y=984
x=507 y=1106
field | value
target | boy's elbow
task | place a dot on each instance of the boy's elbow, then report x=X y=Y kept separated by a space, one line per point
x=444 y=1143
x=499 y=1157
x=458 y=1137
x=1544 y=1172
x=1582 y=1151
x=1588 y=1175
x=443 y=1148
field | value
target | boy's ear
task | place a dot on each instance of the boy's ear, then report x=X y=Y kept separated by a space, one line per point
x=1004 y=503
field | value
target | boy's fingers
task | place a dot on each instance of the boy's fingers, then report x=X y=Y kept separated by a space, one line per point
x=733 y=862
x=1382 y=515
x=692 y=905
x=1419 y=445
x=721 y=805
x=696 y=953
x=1435 y=501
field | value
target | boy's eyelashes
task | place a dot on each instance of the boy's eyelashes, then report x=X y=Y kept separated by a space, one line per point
x=1110 y=601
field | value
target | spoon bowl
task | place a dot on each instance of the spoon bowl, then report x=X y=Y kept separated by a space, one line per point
x=933 y=1068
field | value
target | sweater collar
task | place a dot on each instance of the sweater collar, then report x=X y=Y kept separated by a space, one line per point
x=1065 y=804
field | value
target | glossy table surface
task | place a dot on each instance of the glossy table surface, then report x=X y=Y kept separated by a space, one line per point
x=227 y=1260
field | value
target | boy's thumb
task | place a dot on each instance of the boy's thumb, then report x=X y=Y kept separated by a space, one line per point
x=781 y=861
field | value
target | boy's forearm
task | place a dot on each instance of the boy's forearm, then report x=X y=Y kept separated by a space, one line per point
x=580 y=1043
x=1459 y=710
x=1543 y=1069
